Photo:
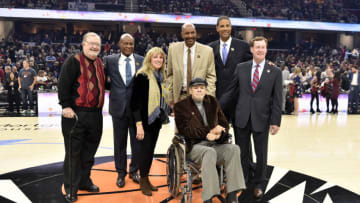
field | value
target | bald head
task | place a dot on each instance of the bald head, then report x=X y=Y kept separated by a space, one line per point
x=188 y=33
x=126 y=35
x=126 y=44
x=187 y=25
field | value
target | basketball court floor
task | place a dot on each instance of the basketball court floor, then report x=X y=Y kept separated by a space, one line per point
x=314 y=158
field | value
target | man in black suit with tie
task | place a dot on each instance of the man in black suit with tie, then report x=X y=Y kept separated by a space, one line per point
x=257 y=87
x=228 y=52
x=119 y=70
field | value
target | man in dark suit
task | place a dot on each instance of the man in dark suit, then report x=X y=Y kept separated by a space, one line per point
x=120 y=69
x=228 y=52
x=354 y=78
x=257 y=87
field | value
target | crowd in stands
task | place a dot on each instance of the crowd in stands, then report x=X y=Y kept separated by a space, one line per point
x=310 y=10
x=47 y=51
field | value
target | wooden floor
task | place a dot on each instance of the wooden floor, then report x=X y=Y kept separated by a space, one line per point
x=322 y=145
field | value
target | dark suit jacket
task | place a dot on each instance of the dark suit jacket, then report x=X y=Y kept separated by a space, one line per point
x=264 y=105
x=191 y=124
x=120 y=94
x=239 y=52
x=351 y=74
x=140 y=100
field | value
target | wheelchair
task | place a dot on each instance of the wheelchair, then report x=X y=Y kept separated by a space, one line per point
x=179 y=166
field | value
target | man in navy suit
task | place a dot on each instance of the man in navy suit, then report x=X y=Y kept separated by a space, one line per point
x=257 y=88
x=119 y=70
x=228 y=52
x=354 y=78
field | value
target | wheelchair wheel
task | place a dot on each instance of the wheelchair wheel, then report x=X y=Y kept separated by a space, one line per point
x=174 y=170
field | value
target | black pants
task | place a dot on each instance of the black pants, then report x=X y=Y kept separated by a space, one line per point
x=242 y=138
x=14 y=98
x=147 y=147
x=121 y=128
x=328 y=100
x=85 y=141
x=335 y=104
x=314 y=96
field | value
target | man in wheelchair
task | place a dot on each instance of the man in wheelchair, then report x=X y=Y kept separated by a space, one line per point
x=200 y=120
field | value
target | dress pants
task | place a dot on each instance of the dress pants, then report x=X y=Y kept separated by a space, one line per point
x=85 y=141
x=209 y=154
x=354 y=99
x=121 y=128
x=147 y=147
x=242 y=138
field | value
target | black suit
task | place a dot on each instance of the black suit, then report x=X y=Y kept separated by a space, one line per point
x=254 y=113
x=239 y=52
x=119 y=108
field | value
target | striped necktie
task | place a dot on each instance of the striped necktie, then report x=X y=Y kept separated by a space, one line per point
x=255 y=81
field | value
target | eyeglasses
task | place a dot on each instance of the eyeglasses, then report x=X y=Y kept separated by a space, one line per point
x=94 y=44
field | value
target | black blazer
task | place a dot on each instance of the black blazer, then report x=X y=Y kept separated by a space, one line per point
x=14 y=89
x=239 y=52
x=139 y=102
x=264 y=105
x=120 y=94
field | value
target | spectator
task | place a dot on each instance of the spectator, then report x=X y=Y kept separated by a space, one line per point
x=12 y=87
x=27 y=81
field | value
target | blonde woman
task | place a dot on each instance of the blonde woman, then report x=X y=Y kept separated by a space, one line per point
x=297 y=78
x=150 y=108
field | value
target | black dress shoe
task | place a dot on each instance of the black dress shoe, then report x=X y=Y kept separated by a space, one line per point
x=120 y=182
x=73 y=198
x=90 y=188
x=258 y=194
x=135 y=177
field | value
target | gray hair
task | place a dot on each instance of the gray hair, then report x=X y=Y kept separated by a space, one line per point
x=186 y=24
x=90 y=34
x=126 y=35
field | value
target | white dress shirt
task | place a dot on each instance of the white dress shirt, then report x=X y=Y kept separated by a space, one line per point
x=261 y=68
x=122 y=66
x=354 y=81
x=192 y=49
x=228 y=43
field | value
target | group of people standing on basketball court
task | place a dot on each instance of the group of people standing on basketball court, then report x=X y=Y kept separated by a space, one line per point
x=205 y=87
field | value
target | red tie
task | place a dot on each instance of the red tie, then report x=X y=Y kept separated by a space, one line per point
x=255 y=78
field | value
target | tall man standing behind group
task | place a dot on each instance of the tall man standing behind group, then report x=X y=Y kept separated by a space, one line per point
x=120 y=70
x=187 y=60
x=257 y=86
x=228 y=52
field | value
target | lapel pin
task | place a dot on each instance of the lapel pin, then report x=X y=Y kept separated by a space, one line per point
x=232 y=49
x=137 y=64
x=268 y=71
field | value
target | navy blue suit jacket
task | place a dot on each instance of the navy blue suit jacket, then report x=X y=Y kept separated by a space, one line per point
x=264 y=105
x=120 y=94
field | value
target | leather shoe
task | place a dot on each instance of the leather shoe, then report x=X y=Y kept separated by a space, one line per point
x=73 y=198
x=258 y=194
x=120 y=182
x=135 y=177
x=90 y=188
